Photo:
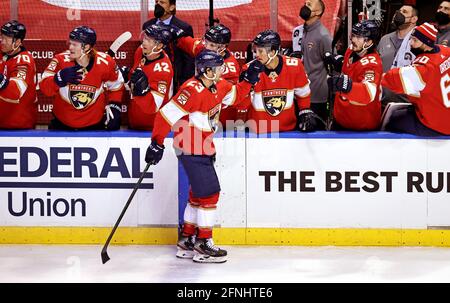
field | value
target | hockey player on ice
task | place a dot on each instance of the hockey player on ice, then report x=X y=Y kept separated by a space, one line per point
x=193 y=113
x=76 y=79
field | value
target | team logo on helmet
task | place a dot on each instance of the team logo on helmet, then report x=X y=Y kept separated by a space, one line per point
x=81 y=96
x=213 y=117
x=274 y=101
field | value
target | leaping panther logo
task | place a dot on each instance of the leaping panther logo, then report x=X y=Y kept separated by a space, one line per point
x=274 y=101
x=81 y=96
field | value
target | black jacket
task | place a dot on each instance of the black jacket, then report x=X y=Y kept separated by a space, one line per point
x=183 y=64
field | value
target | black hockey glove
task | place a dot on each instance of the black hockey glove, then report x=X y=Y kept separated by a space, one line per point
x=139 y=83
x=125 y=71
x=154 y=153
x=333 y=62
x=251 y=75
x=3 y=81
x=68 y=75
x=340 y=83
x=112 y=116
x=307 y=120
x=177 y=32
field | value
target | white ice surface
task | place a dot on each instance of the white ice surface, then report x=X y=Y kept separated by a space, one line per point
x=69 y=263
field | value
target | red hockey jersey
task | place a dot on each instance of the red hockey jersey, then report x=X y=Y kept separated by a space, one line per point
x=81 y=105
x=231 y=73
x=427 y=84
x=142 y=109
x=193 y=47
x=360 y=109
x=272 y=105
x=194 y=112
x=18 y=101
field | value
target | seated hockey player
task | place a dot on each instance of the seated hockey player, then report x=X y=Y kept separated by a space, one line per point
x=18 y=106
x=194 y=115
x=357 y=103
x=426 y=83
x=281 y=99
x=151 y=80
x=217 y=38
x=76 y=79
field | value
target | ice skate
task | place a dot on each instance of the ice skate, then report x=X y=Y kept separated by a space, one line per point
x=185 y=247
x=207 y=252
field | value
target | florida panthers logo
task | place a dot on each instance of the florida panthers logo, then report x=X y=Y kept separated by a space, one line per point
x=81 y=96
x=274 y=101
x=213 y=117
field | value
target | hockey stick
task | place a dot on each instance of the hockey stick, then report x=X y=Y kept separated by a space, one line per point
x=104 y=254
x=124 y=37
x=330 y=107
x=330 y=98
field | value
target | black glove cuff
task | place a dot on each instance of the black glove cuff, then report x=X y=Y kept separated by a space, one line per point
x=4 y=83
x=115 y=106
x=305 y=111
x=155 y=143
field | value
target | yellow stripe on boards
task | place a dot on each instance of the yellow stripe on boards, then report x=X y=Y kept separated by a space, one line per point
x=229 y=236
x=86 y=235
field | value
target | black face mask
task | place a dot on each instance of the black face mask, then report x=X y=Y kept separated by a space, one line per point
x=398 y=20
x=159 y=11
x=417 y=51
x=305 y=13
x=442 y=18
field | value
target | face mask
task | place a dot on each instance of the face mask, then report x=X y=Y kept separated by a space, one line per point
x=399 y=19
x=305 y=13
x=417 y=51
x=159 y=11
x=442 y=18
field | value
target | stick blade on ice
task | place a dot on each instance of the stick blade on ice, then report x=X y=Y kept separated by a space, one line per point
x=105 y=257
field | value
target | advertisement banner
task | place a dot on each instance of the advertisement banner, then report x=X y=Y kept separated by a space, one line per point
x=347 y=183
x=84 y=181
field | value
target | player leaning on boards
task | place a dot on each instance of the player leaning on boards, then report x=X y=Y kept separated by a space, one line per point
x=194 y=115
x=151 y=78
x=76 y=79
x=427 y=84
x=18 y=106
x=282 y=96
x=216 y=38
x=357 y=103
